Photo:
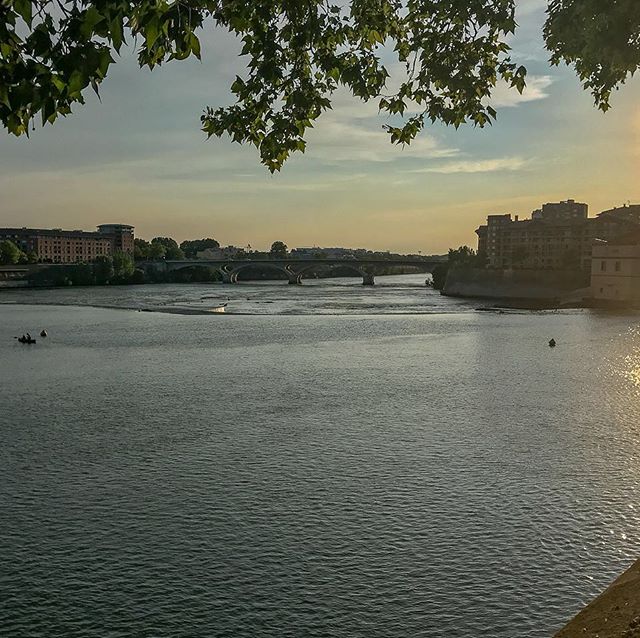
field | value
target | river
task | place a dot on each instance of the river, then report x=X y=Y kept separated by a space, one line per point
x=325 y=460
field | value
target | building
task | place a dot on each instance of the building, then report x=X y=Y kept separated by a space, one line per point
x=559 y=236
x=559 y=212
x=615 y=273
x=121 y=236
x=482 y=233
x=59 y=246
x=630 y=212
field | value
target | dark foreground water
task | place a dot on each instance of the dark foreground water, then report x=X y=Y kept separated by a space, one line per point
x=433 y=475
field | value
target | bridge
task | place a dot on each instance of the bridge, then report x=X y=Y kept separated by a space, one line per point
x=295 y=269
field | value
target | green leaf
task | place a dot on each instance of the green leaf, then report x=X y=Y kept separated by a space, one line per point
x=151 y=32
x=48 y=111
x=116 y=33
x=195 y=45
x=4 y=96
x=24 y=10
x=92 y=17
x=58 y=83
x=77 y=82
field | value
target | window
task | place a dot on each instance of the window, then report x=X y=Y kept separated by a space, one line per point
x=618 y=266
x=603 y=266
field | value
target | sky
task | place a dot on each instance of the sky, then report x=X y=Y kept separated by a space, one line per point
x=138 y=156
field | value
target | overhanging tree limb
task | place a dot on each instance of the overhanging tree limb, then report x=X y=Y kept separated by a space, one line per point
x=299 y=52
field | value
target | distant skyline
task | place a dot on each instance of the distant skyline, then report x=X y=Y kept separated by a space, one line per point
x=139 y=157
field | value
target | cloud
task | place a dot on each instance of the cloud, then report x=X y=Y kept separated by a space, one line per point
x=352 y=131
x=476 y=166
x=334 y=140
x=505 y=96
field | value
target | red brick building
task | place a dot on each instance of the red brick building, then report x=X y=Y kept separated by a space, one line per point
x=59 y=246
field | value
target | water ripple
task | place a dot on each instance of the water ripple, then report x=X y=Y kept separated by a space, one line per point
x=431 y=476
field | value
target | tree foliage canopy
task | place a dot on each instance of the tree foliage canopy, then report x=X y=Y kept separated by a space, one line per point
x=278 y=249
x=10 y=253
x=123 y=265
x=169 y=246
x=191 y=247
x=299 y=52
x=141 y=249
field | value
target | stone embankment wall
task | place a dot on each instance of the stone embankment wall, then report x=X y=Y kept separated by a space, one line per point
x=534 y=285
x=614 y=614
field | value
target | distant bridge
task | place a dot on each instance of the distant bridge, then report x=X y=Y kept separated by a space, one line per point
x=295 y=269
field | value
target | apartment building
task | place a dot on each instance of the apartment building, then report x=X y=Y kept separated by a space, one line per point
x=59 y=246
x=559 y=236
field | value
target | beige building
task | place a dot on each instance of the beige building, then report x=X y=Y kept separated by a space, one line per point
x=615 y=273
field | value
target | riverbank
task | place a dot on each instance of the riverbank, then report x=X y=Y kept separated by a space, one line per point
x=527 y=289
x=614 y=614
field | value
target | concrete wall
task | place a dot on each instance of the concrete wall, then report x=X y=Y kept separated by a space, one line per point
x=535 y=285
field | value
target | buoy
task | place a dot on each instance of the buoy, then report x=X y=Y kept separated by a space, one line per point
x=552 y=343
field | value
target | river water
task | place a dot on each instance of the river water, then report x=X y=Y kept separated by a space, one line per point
x=330 y=461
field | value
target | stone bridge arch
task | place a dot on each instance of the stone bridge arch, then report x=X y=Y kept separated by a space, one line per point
x=193 y=267
x=230 y=272
x=367 y=274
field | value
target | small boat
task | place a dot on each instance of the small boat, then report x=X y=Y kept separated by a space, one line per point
x=552 y=343
x=25 y=340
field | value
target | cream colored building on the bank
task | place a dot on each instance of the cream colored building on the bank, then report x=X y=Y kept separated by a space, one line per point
x=615 y=272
